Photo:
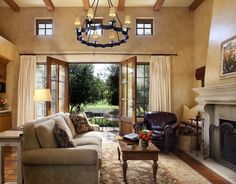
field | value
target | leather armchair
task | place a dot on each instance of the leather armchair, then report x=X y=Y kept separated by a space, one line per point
x=163 y=125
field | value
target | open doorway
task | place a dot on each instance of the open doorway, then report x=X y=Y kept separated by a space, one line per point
x=94 y=89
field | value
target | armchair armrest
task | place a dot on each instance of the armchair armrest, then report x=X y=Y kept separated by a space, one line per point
x=60 y=156
x=170 y=128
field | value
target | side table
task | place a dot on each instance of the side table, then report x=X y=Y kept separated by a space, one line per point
x=11 y=138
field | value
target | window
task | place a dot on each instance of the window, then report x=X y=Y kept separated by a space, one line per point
x=96 y=23
x=142 y=89
x=144 y=26
x=41 y=82
x=44 y=27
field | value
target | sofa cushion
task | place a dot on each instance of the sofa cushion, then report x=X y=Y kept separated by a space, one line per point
x=90 y=134
x=87 y=141
x=45 y=135
x=62 y=137
x=81 y=123
x=61 y=121
x=66 y=116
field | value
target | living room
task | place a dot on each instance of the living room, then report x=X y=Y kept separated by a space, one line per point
x=190 y=34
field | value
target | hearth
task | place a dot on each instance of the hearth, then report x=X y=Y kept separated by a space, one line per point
x=226 y=151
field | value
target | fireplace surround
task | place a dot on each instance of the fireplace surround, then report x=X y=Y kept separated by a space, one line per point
x=218 y=107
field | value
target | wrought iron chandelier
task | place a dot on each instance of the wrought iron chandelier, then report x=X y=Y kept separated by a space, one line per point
x=94 y=34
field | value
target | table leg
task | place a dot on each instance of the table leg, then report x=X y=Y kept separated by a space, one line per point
x=155 y=166
x=2 y=164
x=125 y=166
x=118 y=153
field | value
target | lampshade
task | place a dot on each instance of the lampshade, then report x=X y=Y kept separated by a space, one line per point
x=42 y=95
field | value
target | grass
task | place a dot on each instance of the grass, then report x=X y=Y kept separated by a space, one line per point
x=101 y=106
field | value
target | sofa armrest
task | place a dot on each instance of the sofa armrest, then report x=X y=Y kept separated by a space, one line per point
x=60 y=156
x=95 y=127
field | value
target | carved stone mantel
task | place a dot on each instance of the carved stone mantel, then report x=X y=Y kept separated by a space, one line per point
x=216 y=102
x=219 y=94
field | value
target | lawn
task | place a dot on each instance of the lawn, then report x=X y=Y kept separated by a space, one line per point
x=101 y=106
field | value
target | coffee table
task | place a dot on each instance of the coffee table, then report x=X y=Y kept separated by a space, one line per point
x=137 y=153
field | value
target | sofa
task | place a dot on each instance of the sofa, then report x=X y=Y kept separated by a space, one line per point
x=45 y=163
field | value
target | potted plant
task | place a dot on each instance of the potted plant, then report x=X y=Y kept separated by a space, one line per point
x=3 y=104
x=144 y=138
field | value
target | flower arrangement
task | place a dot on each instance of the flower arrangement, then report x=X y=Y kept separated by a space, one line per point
x=145 y=135
x=3 y=103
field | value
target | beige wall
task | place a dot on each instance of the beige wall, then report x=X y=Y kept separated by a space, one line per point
x=222 y=27
x=9 y=52
x=173 y=34
x=201 y=30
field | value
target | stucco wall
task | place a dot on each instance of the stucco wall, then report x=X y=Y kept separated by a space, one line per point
x=9 y=52
x=222 y=27
x=173 y=34
x=201 y=30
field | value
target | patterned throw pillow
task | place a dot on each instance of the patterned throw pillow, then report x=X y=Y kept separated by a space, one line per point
x=81 y=123
x=62 y=137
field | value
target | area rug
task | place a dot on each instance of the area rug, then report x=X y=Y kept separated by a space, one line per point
x=171 y=170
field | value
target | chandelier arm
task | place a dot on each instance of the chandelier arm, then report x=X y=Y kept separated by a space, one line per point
x=109 y=4
x=118 y=37
x=118 y=19
x=95 y=12
x=92 y=3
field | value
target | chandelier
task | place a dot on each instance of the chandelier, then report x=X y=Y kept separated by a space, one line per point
x=96 y=34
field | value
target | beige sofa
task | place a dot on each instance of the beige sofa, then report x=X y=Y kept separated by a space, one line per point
x=45 y=163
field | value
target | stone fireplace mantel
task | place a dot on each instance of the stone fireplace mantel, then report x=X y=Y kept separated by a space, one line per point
x=219 y=94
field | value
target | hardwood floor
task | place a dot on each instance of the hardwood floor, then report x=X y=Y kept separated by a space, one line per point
x=108 y=137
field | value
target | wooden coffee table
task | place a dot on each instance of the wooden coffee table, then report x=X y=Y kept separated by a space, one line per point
x=137 y=153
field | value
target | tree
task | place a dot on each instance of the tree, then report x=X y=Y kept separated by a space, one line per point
x=112 y=81
x=85 y=88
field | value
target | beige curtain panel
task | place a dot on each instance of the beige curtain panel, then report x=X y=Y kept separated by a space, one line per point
x=160 y=80
x=26 y=87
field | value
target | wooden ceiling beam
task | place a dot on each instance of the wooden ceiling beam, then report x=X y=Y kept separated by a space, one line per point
x=195 y=4
x=49 y=5
x=158 y=5
x=121 y=5
x=12 y=4
x=86 y=5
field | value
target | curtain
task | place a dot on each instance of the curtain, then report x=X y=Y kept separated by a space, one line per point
x=26 y=87
x=160 y=79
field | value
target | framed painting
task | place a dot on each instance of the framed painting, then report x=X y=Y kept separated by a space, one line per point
x=228 y=62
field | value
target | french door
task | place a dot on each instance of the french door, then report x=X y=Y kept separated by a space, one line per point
x=127 y=96
x=57 y=82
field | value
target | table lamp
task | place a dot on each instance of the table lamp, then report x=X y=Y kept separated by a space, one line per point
x=42 y=95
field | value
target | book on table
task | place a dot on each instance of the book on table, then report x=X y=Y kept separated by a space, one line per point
x=132 y=137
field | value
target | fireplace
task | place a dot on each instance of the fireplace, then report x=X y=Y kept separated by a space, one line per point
x=228 y=143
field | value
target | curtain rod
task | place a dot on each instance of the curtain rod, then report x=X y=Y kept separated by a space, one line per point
x=101 y=53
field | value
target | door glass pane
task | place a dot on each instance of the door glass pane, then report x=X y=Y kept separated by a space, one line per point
x=61 y=105
x=140 y=71
x=54 y=74
x=123 y=106
x=62 y=89
x=62 y=74
x=123 y=70
x=130 y=108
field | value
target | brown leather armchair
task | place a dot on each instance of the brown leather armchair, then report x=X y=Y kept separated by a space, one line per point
x=163 y=125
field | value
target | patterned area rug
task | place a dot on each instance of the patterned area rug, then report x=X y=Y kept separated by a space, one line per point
x=171 y=170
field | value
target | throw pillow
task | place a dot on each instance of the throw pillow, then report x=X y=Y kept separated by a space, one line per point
x=189 y=113
x=81 y=123
x=66 y=116
x=44 y=132
x=62 y=137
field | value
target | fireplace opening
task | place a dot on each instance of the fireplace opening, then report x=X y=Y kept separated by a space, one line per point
x=228 y=143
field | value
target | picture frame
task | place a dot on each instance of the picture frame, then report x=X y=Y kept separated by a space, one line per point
x=228 y=58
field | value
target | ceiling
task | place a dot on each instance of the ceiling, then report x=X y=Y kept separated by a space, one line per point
x=79 y=3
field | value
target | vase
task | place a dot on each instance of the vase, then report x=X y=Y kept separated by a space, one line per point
x=143 y=144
